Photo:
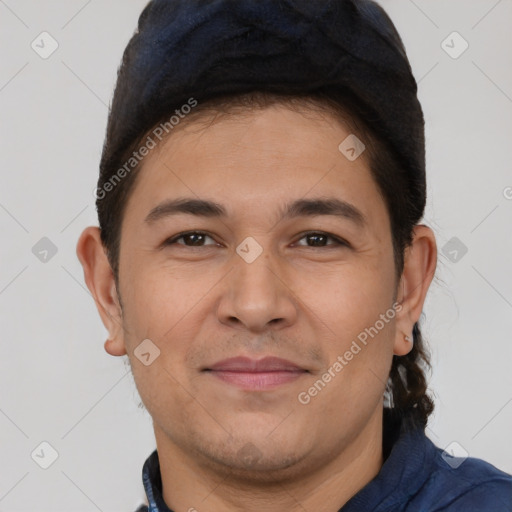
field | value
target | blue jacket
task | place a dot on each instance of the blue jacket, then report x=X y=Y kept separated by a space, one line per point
x=416 y=476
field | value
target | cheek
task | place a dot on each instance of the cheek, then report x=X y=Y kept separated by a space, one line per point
x=165 y=394
x=158 y=306
x=346 y=299
x=157 y=300
x=354 y=312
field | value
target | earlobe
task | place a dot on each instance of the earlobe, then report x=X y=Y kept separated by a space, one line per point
x=100 y=280
x=114 y=347
x=403 y=345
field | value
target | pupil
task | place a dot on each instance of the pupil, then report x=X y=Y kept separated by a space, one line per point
x=316 y=238
x=197 y=238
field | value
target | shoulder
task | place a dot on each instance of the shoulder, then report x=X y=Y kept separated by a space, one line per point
x=465 y=485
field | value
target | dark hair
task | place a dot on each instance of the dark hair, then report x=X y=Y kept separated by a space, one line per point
x=403 y=191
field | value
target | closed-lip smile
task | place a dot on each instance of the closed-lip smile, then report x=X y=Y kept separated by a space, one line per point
x=256 y=374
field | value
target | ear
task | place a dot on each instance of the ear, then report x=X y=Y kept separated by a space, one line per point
x=420 y=261
x=99 y=278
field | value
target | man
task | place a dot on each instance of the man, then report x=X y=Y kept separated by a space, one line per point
x=259 y=260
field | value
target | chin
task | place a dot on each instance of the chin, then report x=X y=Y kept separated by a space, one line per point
x=250 y=465
x=257 y=458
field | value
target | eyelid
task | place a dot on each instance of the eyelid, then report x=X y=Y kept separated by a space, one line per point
x=339 y=242
x=173 y=239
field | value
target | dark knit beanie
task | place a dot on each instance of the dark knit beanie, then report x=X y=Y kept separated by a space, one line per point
x=201 y=49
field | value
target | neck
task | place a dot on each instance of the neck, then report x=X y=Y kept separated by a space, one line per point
x=189 y=484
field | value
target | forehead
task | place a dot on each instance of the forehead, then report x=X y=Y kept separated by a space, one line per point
x=254 y=161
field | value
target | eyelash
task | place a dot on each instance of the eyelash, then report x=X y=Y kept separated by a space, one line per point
x=338 y=241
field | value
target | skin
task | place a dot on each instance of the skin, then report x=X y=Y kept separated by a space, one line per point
x=201 y=304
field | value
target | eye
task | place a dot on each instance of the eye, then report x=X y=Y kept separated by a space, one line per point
x=196 y=239
x=319 y=239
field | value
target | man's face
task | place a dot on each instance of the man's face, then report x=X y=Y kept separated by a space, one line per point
x=303 y=298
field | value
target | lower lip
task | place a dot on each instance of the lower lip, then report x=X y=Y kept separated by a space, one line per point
x=258 y=380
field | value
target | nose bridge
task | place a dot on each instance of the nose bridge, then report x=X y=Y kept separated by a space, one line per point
x=252 y=269
x=255 y=294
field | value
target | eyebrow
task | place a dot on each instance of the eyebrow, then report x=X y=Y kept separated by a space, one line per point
x=299 y=208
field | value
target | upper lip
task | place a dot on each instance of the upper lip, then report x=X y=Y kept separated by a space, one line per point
x=246 y=364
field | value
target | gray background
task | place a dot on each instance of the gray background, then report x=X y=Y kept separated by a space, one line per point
x=57 y=383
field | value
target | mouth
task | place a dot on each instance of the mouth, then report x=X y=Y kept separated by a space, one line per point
x=258 y=375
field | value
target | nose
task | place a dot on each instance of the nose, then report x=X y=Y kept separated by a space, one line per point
x=257 y=296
